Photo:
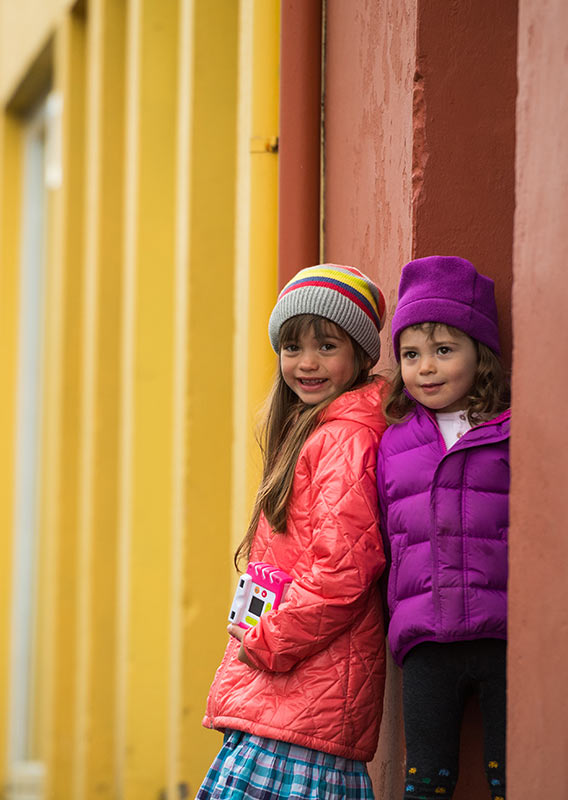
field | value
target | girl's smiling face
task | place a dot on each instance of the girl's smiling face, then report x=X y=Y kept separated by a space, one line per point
x=438 y=366
x=315 y=367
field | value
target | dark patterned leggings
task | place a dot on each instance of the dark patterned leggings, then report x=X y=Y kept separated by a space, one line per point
x=437 y=679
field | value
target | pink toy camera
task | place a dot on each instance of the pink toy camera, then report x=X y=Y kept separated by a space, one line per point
x=261 y=589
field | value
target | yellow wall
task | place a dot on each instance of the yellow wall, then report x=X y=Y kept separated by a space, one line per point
x=95 y=734
x=256 y=286
x=160 y=275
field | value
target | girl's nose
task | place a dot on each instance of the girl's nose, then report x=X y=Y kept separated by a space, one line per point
x=426 y=365
x=308 y=360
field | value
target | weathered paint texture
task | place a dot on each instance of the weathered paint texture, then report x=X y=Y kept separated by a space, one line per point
x=538 y=600
x=464 y=138
x=368 y=138
x=368 y=213
x=419 y=159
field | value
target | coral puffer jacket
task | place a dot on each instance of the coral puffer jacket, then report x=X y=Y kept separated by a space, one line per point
x=320 y=655
x=445 y=519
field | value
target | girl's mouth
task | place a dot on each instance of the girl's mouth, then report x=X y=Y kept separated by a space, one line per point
x=311 y=381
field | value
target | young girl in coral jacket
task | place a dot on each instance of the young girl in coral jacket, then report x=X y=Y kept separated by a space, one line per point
x=299 y=696
x=443 y=477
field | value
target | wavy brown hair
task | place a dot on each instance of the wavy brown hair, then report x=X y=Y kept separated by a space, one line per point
x=286 y=426
x=488 y=396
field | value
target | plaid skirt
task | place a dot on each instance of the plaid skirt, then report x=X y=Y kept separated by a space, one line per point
x=253 y=768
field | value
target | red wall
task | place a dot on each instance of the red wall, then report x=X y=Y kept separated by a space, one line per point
x=368 y=210
x=464 y=124
x=419 y=159
x=538 y=596
x=370 y=54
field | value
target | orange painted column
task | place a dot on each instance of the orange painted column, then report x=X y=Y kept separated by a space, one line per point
x=299 y=139
x=463 y=187
x=419 y=160
x=370 y=56
x=538 y=596
x=463 y=180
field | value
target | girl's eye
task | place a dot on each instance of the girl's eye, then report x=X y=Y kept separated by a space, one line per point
x=409 y=354
x=290 y=348
x=444 y=350
x=327 y=346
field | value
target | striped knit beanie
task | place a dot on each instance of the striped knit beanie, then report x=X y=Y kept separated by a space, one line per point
x=341 y=294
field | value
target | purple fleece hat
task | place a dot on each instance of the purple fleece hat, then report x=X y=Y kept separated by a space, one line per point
x=449 y=290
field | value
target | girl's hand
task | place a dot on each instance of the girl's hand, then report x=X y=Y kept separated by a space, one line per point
x=238 y=633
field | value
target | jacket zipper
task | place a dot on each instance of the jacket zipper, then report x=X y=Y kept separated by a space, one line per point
x=504 y=415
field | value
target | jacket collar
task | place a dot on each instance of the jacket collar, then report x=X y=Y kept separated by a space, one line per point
x=489 y=432
x=362 y=405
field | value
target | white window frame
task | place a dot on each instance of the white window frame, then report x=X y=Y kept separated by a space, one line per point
x=41 y=170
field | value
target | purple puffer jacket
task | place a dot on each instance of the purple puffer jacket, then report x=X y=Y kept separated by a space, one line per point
x=445 y=520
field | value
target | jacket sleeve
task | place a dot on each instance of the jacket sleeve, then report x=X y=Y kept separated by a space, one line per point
x=348 y=556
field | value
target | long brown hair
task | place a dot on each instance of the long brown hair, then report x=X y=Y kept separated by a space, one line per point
x=488 y=396
x=287 y=424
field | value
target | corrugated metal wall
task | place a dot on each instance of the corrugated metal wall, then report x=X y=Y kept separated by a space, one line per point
x=157 y=247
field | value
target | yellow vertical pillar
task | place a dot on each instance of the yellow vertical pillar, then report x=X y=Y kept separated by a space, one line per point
x=58 y=525
x=232 y=285
x=95 y=734
x=263 y=263
x=10 y=206
x=256 y=242
x=146 y=481
x=185 y=60
x=209 y=218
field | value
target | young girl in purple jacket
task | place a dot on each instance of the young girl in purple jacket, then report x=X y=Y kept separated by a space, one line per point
x=443 y=479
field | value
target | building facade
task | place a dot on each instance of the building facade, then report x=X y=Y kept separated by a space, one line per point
x=164 y=167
